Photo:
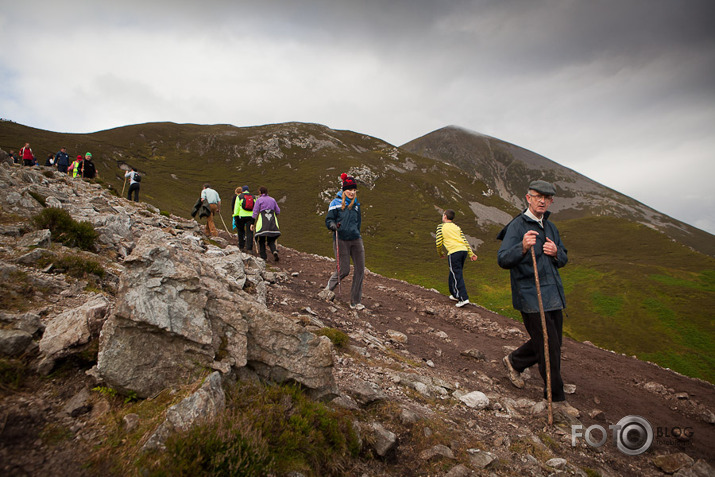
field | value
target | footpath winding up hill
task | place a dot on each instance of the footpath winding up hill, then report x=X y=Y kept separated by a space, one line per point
x=423 y=379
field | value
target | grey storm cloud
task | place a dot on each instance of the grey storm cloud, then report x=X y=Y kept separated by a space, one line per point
x=622 y=91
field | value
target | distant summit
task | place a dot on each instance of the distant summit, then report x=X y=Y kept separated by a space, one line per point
x=507 y=169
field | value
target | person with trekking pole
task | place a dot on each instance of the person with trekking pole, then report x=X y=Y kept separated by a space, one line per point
x=532 y=251
x=344 y=219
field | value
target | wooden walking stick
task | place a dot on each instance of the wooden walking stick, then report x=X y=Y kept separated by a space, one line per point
x=546 y=338
x=337 y=260
x=125 y=184
x=224 y=223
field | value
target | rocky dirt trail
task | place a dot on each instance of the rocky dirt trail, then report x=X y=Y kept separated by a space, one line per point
x=443 y=341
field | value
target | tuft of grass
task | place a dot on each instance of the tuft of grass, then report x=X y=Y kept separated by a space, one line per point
x=229 y=446
x=54 y=433
x=74 y=266
x=65 y=229
x=339 y=339
x=38 y=197
x=12 y=374
x=302 y=435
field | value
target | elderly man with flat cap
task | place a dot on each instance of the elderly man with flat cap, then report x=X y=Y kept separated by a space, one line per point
x=532 y=228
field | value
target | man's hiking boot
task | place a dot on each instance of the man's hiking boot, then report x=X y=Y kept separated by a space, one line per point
x=275 y=255
x=460 y=304
x=514 y=375
x=566 y=408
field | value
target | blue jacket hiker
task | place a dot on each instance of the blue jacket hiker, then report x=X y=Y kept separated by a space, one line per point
x=344 y=219
x=532 y=229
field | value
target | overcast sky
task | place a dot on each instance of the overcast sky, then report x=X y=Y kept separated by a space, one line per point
x=622 y=91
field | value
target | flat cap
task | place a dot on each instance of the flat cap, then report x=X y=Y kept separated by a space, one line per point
x=542 y=187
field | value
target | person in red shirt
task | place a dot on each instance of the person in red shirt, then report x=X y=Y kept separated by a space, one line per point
x=28 y=158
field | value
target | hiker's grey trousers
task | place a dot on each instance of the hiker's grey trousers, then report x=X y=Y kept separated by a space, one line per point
x=350 y=249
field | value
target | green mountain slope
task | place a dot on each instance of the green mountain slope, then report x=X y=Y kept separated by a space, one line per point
x=629 y=287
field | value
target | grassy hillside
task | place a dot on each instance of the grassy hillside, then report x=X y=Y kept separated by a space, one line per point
x=629 y=288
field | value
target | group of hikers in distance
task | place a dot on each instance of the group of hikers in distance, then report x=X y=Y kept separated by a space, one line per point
x=82 y=166
x=531 y=250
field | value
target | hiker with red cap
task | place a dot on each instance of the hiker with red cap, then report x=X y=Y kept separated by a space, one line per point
x=344 y=219
x=76 y=167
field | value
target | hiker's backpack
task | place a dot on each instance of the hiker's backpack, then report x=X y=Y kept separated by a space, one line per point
x=267 y=224
x=137 y=177
x=248 y=202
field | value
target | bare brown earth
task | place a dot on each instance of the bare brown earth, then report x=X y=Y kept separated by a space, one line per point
x=604 y=380
x=37 y=438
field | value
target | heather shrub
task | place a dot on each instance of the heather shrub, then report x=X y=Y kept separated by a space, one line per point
x=65 y=229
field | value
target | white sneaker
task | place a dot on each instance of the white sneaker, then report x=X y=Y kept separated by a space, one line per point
x=357 y=307
x=460 y=304
x=454 y=298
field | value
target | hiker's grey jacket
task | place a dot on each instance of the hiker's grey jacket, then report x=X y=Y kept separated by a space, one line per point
x=523 y=285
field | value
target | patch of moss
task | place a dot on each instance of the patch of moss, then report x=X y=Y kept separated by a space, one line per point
x=12 y=374
x=65 y=229
x=339 y=339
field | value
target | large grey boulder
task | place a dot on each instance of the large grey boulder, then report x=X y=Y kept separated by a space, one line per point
x=175 y=316
x=71 y=329
x=180 y=310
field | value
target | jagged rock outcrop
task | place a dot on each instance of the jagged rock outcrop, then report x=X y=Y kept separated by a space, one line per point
x=180 y=310
x=180 y=305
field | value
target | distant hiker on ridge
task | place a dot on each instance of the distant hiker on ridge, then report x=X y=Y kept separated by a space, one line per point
x=134 y=185
x=242 y=206
x=533 y=229
x=62 y=160
x=28 y=158
x=88 y=169
x=212 y=197
x=344 y=220
x=265 y=212
x=75 y=168
x=450 y=236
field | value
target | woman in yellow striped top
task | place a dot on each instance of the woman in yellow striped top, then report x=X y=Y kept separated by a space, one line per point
x=450 y=236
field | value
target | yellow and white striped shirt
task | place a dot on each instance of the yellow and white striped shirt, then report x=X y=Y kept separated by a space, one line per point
x=450 y=236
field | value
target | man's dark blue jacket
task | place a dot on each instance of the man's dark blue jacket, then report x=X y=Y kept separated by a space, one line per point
x=521 y=267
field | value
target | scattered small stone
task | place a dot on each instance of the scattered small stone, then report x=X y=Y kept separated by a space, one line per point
x=475 y=400
x=671 y=463
x=437 y=451
x=557 y=463
x=481 y=459
x=474 y=353
x=396 y=336
x=131 y=422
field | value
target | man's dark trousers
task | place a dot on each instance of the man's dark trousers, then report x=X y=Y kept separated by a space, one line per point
x=532 y=352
